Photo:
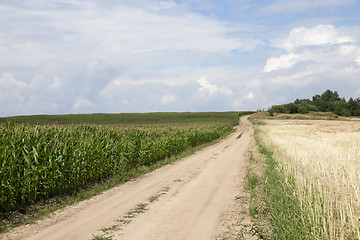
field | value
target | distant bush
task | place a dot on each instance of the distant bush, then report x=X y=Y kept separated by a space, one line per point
x=329 y=101
x=345 y=112
x=357 y=112
x=302 y=109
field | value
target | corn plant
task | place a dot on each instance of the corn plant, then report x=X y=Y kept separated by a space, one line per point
x=44 y=161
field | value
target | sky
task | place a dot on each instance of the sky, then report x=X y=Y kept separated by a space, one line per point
x=112 y=56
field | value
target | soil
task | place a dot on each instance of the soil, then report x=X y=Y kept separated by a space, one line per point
x=201 y=196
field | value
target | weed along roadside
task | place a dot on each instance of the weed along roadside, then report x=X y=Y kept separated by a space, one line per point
x=139 y=209
x=304 y=179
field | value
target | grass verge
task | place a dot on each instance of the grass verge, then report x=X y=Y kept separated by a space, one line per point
x=307 y=116
x=274 y=206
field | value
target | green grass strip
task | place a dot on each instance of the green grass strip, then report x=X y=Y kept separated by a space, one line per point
x=284 y=207
x=282 y=216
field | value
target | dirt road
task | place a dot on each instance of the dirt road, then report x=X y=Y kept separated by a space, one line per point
x=199 y=197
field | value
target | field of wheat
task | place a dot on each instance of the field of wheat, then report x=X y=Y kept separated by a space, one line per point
x=323 y=159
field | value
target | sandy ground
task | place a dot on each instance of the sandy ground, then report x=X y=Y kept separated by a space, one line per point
x=198 y=197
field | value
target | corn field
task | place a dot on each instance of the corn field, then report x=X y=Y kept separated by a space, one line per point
x=44 y=161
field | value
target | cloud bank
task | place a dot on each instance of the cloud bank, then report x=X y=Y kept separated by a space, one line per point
x=313 y=54
x=87 y=56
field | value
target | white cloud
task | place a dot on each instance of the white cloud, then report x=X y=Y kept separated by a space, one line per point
x=316 y=36
x=8 y=83
x=284 y=61
x=116 y=90
x=298 y=79
x=39 y=95
x=145 y=55
x=319 y=44
x=131 y=35
x=56 y=83
x=45 y=85
x=249 y=96
x=128 y=29
x=348 y=49
x=350 y=75
x=323 y=52
x=247 y=99
x=11 y=94
x=83 y=104
x=357 y=60
x=167 y=80
x=167 y=99
x=24 y=52
x=205 y=86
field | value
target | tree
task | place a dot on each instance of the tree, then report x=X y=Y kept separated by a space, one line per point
x=357 y=112
x=345 y=112
x=279 y=109
x=316 y=98
x=352 y=105
x=328 y=101
x=329 y=96
x=302 y=109
x=292 y=108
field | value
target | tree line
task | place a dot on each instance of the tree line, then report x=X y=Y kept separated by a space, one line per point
x=329 y=101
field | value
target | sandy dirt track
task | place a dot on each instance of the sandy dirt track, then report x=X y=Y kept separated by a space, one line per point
x=198 y=197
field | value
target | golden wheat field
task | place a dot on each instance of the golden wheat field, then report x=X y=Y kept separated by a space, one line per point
x=324 y=159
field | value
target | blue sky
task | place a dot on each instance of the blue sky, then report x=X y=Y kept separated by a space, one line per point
x=85 y=56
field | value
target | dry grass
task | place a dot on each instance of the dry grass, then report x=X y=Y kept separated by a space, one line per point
x=324 y=158
x=308 y=116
